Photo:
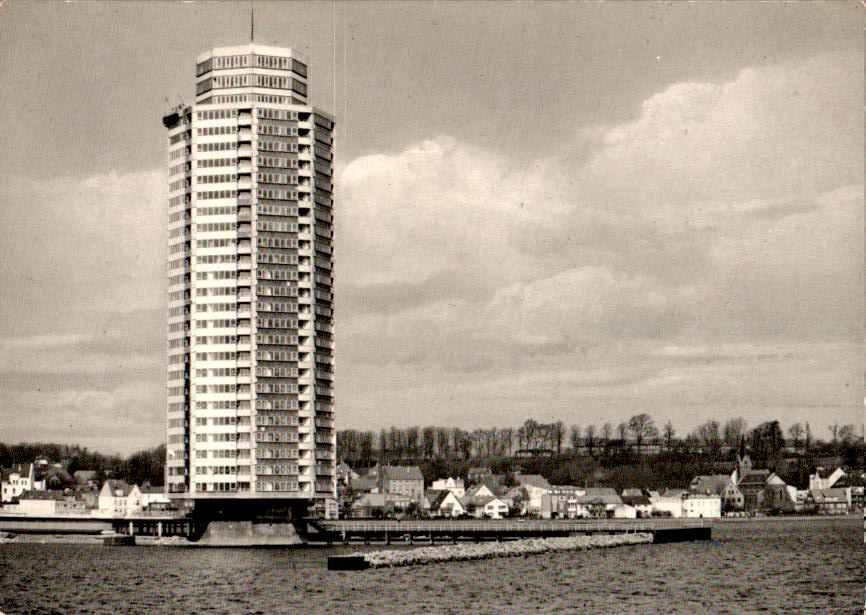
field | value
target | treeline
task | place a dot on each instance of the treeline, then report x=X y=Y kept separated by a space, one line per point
x=633 y=452
x=146 y=465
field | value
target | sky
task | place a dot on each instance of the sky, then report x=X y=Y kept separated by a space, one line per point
x=558 y=211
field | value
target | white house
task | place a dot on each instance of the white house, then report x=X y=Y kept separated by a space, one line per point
x=624 y=511
x=700 y=506
x=494 y=508
x=816 y=481
x=16 y=482
x=35 y=504
x=152 y=495
x=454 y=485
x=596 y=502
x=118 y=499
x=536 y=487
x=667 y=506
x=446 y=504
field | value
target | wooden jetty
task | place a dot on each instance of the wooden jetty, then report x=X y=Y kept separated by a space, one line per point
x=431 y=531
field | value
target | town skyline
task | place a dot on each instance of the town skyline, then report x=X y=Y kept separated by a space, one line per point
x=577 y=231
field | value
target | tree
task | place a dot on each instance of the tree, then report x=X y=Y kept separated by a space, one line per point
x=847 y=433
x=766 y=441
x=428 y=442
x=507 y=440
x=557 y=433
x=589 y=438
x=642 y=428
x=711 y=440
x=366 y=448
x=530 y=433
x=606 y=434
x=465 y=444
x=478 y=438
x=442 y=442
x=574 y=439
x=622 y=431
x=734 y=431
x=668 y=434
x=796 y=432
x=834 y=430
x=398 y=444
x=383 y=446
x=412 y=440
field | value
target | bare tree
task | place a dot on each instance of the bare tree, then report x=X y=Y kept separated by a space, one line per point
x=796 y=432
x=507 y=440
x=847 y=433
x=711 y=440
x=574 y=439
x=606 y=434
x=530 y=432
x=442 y=442
x=668 y=434
x=622 y=431
x=397 y=449
x=834 y=430
x=413 y=437
x=465 y=444
x=557 y=435
x=642 y=428
x=589 y=438
x=366 y=448
x=428 y=442
x=383 y=446
x=734 y=431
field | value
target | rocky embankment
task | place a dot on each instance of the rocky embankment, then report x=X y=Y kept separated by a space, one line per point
x=485 y=550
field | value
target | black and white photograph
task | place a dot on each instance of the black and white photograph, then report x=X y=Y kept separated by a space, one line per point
x=432 y=307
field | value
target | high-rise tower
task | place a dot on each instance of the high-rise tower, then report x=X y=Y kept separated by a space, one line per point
x=250 y=283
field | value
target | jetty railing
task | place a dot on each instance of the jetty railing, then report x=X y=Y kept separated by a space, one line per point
x=509 y=526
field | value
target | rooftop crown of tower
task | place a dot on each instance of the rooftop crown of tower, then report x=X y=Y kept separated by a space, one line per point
x=251 y=69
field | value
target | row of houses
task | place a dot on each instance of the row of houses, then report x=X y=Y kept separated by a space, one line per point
x=24 y=495
x=750 y=490
x=390 y=490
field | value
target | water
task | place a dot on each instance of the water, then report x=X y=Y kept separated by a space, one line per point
x=772 y=566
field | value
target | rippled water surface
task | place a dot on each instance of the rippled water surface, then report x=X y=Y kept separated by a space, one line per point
x=769 y=566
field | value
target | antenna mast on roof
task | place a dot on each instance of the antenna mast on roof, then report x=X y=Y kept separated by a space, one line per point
x=252 y=21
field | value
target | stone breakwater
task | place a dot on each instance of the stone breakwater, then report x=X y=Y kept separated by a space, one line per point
x=485 y=550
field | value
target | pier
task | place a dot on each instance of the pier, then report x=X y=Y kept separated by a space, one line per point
x=84 y=525
x=431 y=531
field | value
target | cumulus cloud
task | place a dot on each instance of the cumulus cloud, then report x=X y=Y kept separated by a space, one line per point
x=727 y=215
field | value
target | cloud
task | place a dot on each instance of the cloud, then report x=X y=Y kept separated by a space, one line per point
x=91 y=243
x=725 y=220
x=704 y=257
x=82 y=264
